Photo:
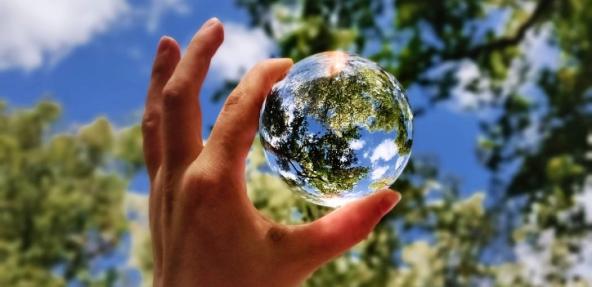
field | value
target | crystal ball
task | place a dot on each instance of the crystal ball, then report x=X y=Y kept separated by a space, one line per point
x=338 y=127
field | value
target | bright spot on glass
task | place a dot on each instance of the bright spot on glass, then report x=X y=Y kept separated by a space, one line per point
x=336 y=128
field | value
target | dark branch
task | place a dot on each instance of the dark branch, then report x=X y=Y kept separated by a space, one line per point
x=306 y=173
x=502 y=43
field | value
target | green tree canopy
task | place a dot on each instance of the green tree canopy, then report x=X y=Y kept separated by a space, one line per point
x=536 y=120
x=61 y=196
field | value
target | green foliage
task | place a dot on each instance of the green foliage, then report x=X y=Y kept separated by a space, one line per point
x=536 y=143
x=60 y=199
x=345 y=105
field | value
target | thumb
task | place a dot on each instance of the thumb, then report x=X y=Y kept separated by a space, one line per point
x=341 y=229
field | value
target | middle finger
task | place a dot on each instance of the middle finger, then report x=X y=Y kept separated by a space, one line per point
x=182 y=115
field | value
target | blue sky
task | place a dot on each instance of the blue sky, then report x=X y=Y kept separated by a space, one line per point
x=101 y=67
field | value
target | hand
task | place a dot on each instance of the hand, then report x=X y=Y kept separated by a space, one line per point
x=205 y=231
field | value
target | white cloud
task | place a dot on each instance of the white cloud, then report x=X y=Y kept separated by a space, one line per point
x=538 y=50
x=357 y=144
x=288 y=174
x=539 y=54
x=158 y=8
x=537 y=261
x=378 y=172
x=582 y=269
x=136 y=208
x=285 y=19
x=242 y=48
x=37 y=31
x=385 y=151
x=463 y=99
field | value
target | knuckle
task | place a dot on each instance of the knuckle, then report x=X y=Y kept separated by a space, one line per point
x=234 y=99
x=172 y=96
x=198 y=180
x=206 y=180
x=198 y=189
x=150 y=121
x=159 y=70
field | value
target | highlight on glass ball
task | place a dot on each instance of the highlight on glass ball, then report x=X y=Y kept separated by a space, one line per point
x=338 y=127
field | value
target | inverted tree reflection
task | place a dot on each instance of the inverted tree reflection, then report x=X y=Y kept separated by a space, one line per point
x=308 y=125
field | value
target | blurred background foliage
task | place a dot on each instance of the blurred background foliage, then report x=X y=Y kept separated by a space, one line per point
x=64 y=206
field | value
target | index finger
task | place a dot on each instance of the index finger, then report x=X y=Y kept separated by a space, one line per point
x=237 y=123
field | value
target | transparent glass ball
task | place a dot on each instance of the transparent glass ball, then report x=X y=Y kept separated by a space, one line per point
x=338 y=127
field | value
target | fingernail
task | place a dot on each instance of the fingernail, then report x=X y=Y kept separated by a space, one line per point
x=161 y=44
x=390 y=199
x=211 y=22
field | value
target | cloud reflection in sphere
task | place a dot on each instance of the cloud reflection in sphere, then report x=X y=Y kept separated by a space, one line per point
x=336 y=128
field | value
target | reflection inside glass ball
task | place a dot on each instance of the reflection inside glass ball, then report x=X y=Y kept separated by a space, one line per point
x=336 y=128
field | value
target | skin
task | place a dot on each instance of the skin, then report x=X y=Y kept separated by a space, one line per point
x=204 y=228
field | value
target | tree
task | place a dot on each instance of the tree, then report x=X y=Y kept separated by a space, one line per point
x=61 y=196
x=321 y=159
x=424 y=43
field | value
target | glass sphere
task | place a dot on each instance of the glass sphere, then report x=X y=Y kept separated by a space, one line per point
x=338 y=127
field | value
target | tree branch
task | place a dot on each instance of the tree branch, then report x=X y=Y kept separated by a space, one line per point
x=306 y=173
x=501 y=43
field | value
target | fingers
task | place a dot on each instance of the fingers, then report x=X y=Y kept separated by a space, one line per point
x=182 y=138
x=167 y=57
x=237 y=124
x=338 y=231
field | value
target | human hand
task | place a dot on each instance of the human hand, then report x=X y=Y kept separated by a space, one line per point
x=205 y=231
